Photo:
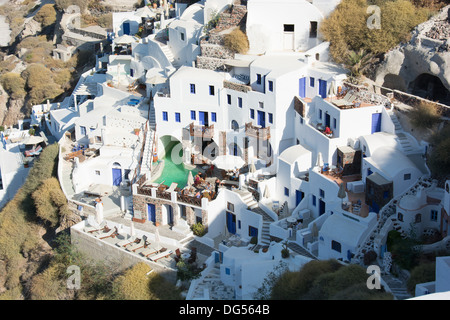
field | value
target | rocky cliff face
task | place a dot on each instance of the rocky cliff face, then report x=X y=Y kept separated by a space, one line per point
x=421 y=66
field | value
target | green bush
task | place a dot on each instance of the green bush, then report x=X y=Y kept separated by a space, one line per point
x=295 y=285
x=420 y=274
x=198 y=229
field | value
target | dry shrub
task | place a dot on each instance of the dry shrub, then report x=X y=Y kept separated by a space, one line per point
x=50 y=201
x=236 y=41
x=14 y=84
x=424 y=115
x=46 y=15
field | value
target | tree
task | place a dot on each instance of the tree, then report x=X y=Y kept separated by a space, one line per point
x=295 y=285
x=346 y=27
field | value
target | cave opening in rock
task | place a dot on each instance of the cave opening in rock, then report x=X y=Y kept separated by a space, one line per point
x=430 y=87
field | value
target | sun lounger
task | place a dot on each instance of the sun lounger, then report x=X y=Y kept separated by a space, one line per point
x=110 y=233
x=138 y=245
x=126 y=242
x=160 y=255
x=92 y=229
x=150 y=250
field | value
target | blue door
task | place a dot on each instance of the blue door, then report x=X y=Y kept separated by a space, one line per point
x=151 y=212
x=298 y=197
x=117 y=176
x=126 y=28
x=262 y=119
x=376 y=122
x=231 y=223
x=203 y=118
x=375 y=207
x=321 y=207
x=170 y=214
x=302 y=87
x=252 y=231
x=323 y=88
x=327 y=120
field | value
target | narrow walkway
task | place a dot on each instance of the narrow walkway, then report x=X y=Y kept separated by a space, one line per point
x=397 y=287
x=300 y=250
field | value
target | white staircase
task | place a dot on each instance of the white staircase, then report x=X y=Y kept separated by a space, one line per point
x=407 y=146
x=148 y=152
x=252 y=205
x=168 y=53
x=152 y=117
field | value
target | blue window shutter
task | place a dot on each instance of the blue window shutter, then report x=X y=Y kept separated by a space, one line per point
x=177 y=117
x=213 y=117
x=192 y=115
x=252 y=113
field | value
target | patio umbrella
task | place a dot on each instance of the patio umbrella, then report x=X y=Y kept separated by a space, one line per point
x=266 y=192
x=341 y=193
x=228 y=162
x=33 y=140
x=125 y=39
x=99 y=212
x=190 y=180
x=252 y=168
x=285 y=210
x=156 y=79
x=319 y=160
x=132 y=231
x=157 y=238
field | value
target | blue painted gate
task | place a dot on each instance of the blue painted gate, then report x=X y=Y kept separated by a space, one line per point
x=302 y=87
x=231 y=223
x=376 y=122
x=151 y=212
x=323 y=88
x=117 y=176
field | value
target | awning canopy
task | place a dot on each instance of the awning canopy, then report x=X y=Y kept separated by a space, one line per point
x=238 y=63
x=32 y=140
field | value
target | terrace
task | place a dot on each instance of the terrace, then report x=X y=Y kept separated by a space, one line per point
x=201 y=131
x=354 y=188
x=257 y=131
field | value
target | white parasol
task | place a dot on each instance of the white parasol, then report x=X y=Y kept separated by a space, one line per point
x=190 y=180
x=266 y=192
x=99 y=212
x=228 y=162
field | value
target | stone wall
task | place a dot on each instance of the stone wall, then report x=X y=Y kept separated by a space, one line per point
x=140 y=204
x=236 y=17
x=105 y=252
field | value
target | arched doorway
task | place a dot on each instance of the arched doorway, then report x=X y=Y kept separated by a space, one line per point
x=116 y=174
x=430 y=87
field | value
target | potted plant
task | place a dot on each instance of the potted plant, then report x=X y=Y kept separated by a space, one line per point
x=285 y=251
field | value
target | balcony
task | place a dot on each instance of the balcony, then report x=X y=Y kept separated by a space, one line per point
x=201 y=131
x=257 y=132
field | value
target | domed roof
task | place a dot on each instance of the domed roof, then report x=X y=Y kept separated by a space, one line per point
x=410 y=202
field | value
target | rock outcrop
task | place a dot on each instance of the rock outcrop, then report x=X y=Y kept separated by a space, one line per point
x=421 y=66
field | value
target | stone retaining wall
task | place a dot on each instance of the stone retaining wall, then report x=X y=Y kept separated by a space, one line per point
x=102 y=251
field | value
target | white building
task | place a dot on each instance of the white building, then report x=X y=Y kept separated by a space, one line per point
x=440 y=285
x=285 y=25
